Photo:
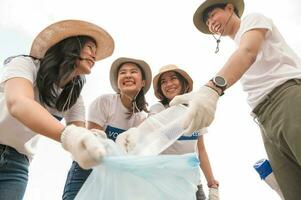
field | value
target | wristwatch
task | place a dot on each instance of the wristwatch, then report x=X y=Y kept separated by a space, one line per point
x=219 y=82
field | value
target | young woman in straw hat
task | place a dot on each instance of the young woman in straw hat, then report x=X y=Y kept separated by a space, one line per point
x=114 y=113
x=38 y=90
x=169 y=82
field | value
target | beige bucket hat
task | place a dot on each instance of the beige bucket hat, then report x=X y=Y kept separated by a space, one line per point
x=198 y=15
x=142 y=64
x=67 y=28
x=168 y=68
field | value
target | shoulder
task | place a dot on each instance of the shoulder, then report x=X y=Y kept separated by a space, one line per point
x=104 y=100
x=256 y=20
x=21 y=61
x=156 y=108
x=106 y=97
x=254 y=16
x=20 y=66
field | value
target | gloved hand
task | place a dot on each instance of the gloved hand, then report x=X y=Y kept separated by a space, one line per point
x=86 y=147
x=99 y=132
x=128 y=139
x=213 y=194
x=201 y=108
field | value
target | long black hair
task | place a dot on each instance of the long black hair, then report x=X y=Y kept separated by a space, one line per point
x=184 y=84
x=56 y=66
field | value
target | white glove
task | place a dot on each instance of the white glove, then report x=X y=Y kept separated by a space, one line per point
x=86 y=147
x=201 y=108
x=213 y=194
x=99 y=132
x=128 y=139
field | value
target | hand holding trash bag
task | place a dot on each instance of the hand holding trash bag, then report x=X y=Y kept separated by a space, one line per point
x=128 y=139
x=201 y=109
x=87 y=147
x=131 y=177
x=213 y=194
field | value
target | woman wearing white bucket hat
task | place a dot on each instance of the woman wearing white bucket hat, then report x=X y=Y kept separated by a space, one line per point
x=169 y=82
x=114 y=113
x=38 y=89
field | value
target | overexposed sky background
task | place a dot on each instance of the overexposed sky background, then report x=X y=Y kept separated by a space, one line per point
x=160 y=32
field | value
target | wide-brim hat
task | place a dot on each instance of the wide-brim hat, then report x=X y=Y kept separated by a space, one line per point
x=198 y=15
x=168 y=68
x=61 y=30
x=143 y=66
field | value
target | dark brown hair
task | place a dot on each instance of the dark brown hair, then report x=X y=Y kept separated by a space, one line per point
x=184 y=84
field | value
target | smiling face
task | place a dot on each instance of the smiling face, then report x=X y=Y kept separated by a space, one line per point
x=87 y=58
x=219 y=20
x=170 y=85
x=129 y=79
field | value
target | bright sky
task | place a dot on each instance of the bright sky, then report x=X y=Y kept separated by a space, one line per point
x=160 y=32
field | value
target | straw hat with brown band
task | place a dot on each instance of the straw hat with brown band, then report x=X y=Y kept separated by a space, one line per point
x=198 y=15
x=63 y=29
x=168 y=68
x=142 y=64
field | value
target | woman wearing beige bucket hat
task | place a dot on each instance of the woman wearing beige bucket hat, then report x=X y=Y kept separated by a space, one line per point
x=270 y=73
x=169 y=82
x=39 y=89
x=114 y=113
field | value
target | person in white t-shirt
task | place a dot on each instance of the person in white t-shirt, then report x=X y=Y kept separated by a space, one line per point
x=270 y=73
x=115 y=113
x=38 y=89
x=169 y=82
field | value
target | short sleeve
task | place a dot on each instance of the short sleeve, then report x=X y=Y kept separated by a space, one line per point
x=22 y=67
x=98 y=110
x=156 y=108
x=76 y=112
x=253 y=21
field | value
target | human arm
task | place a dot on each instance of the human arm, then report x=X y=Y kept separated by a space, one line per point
x=20 y=102
x=243 y=58
x=205 y=164
x=96 y=128
x=212 y=183
x=93 y=125
x=85 y=147
x=202 y=104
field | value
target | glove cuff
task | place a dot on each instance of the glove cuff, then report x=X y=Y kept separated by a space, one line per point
x=213 y=90
x=65 y=135
x=210 y=91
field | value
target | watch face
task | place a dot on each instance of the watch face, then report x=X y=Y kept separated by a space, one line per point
x=220 y=81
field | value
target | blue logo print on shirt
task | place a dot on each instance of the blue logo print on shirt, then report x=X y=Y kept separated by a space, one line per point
x=113 y=132
x=194 y=136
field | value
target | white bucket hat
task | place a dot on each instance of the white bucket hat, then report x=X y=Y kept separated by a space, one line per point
x=143 y=66
x=168 y=68
x=63 y=29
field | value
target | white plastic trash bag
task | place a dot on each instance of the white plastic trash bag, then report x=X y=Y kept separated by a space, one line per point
x=159 y=131
x=128 y=177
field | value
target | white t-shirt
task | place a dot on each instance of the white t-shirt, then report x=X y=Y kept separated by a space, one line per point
x=275 y=63
x=185 y=144
x=108 y=112
x=12 y=132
